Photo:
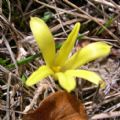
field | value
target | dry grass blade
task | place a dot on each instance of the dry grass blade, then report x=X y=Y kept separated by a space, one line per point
x=18 y=49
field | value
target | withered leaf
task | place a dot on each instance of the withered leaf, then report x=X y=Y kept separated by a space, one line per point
x=59 y=106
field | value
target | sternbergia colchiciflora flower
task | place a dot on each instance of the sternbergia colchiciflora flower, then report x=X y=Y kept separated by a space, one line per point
x=63 y=68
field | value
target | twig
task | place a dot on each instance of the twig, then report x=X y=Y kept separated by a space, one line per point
x=3 y=69
x=69 y=12
x=10 y=51
x=4 y=109
x=113 y=108
x=9 y=25
x=104 y=2
x=94 y=19
x=97 y=8
x=58 y=15
x=32 y=12
x=9 y=7
x=28 y=5
x=106 y=115
x=40 y=89
x=57 y=27
x=8 y=96
x=0 y=6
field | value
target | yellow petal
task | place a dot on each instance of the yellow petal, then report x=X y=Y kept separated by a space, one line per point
x=88 y=53
x=67 y=46
x=43 y=38
x=38 y=75
x=88 y=75
x=66 y=82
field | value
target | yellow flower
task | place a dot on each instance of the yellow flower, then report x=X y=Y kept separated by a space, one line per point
x=59 y=64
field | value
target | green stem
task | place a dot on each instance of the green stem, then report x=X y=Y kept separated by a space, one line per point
x=24 y=61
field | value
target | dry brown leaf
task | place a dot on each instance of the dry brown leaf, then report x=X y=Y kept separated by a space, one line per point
x=59 y=106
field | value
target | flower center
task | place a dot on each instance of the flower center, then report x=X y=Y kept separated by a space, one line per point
x=56 y=68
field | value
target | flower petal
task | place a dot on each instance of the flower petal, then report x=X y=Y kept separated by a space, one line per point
x=88 y=75
x=66 y=82
x=67 y=46
x=38 y=75
x=88 y=53
x=43 y=38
